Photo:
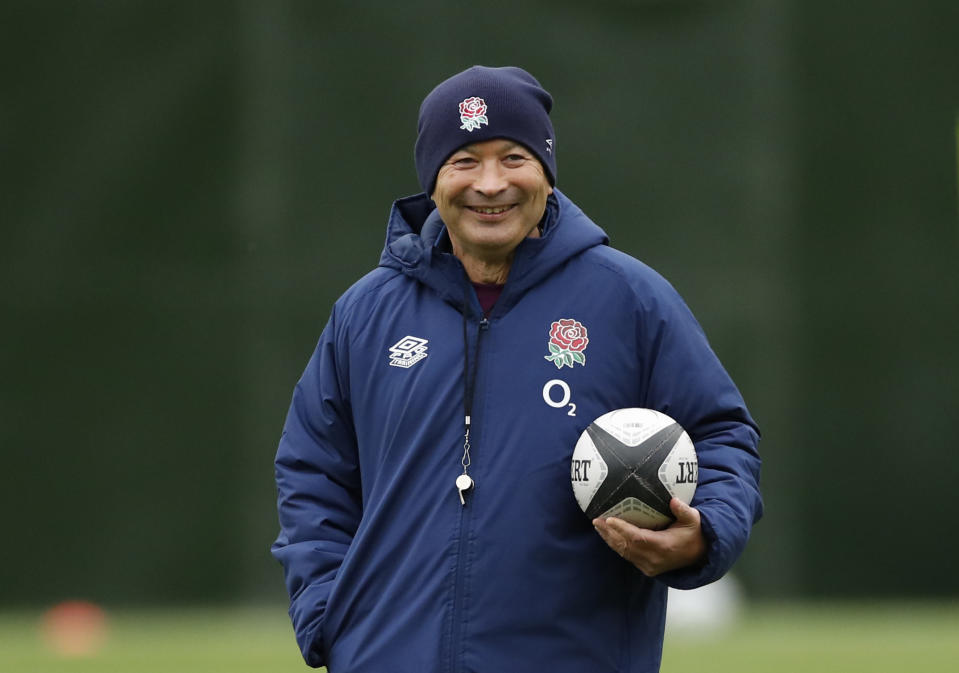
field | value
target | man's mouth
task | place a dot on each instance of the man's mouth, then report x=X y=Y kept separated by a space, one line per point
x=485 y=210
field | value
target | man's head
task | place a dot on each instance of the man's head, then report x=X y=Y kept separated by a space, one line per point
x=481 y=104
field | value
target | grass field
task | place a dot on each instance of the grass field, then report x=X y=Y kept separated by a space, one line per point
x=872 y=638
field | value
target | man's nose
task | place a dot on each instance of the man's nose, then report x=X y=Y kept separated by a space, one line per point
x=491 y=179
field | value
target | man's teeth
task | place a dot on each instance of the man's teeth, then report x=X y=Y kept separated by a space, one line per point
x=492 y=211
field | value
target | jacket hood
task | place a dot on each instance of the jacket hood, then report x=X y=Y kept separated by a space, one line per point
x=415 y=234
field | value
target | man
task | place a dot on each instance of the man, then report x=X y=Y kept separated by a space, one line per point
x=427 y=517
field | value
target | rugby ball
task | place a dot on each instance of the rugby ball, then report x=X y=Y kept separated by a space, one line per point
x=629 y=463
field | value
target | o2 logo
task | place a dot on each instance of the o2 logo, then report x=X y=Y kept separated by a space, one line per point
x=550 y=395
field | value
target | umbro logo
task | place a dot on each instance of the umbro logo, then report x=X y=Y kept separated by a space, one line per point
x=408 y=351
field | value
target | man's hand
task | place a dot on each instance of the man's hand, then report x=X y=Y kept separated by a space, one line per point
x=657 y=551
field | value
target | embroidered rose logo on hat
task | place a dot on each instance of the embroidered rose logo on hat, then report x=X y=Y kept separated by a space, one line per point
x=473 y=113
x=567 y=341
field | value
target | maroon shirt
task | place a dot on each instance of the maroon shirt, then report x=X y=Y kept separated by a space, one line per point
x=487 y=293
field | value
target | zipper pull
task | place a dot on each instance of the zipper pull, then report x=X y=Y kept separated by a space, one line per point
x=484 y=323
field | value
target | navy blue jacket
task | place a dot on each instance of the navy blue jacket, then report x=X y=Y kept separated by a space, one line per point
x=387 y=571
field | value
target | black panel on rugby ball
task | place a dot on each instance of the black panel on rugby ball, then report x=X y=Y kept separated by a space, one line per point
x=633 y=470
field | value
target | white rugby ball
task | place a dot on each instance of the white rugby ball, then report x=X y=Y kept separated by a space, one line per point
x=629 y=463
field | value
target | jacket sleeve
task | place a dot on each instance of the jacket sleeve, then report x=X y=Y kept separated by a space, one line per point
x=687 y=382
x=318 y=485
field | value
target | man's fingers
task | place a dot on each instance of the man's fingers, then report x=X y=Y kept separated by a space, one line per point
x=627 y=538
x=606 y=531
x=626 y=530
x=612 y=535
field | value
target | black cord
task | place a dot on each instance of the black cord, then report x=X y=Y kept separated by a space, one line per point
x=469 y=375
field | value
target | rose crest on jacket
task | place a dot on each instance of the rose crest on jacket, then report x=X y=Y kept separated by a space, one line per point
x=567 y=342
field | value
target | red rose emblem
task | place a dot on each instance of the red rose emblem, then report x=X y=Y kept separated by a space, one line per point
x=567 y=341
x=569 y=335
x=473 y=113
x=472 y=108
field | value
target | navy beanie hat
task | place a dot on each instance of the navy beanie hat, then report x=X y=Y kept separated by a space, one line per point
x=482 y=104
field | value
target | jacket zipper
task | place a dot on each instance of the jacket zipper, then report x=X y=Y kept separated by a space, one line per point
x=461 y=571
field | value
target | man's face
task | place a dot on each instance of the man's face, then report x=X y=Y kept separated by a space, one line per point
x=491 y=195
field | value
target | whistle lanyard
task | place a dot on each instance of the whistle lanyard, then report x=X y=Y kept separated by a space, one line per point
x=464 y=482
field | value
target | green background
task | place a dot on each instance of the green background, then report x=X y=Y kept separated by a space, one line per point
x=187 y=187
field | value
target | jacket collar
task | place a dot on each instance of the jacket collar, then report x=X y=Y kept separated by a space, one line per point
x=417 y=245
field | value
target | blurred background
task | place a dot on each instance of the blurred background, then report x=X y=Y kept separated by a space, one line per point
x=187 y=187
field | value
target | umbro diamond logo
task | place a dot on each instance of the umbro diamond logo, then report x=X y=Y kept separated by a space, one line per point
x=407 y=351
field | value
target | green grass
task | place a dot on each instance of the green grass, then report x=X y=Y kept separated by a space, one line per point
x=788 y=638
x=847 y=638
x=154 y=641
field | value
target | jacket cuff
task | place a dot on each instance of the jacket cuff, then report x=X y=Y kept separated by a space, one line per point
x=711 y=568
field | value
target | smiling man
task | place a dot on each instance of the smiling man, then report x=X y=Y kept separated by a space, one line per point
x=491 y=195
x=427 y=517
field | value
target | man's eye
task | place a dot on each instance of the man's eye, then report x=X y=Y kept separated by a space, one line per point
x=515 y=158
x=464 y=162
